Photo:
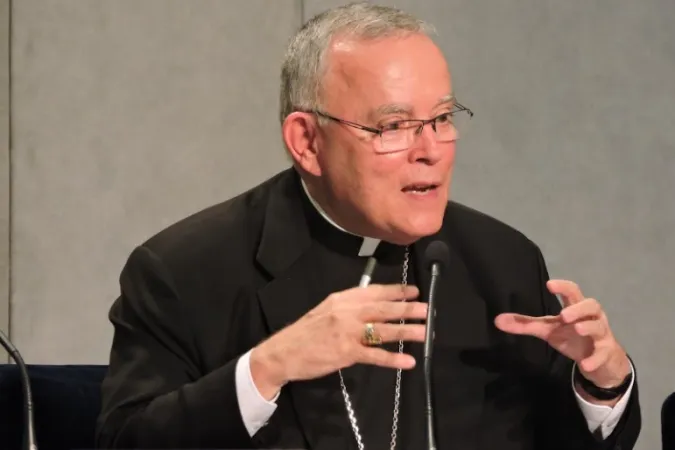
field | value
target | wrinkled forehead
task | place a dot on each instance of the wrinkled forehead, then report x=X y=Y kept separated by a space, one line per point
x=393 y=75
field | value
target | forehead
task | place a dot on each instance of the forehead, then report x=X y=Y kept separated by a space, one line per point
x=364 y=77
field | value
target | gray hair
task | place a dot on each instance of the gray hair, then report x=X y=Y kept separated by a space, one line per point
x=304 y=62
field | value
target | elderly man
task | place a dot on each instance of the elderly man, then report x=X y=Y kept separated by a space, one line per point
x=243 y=325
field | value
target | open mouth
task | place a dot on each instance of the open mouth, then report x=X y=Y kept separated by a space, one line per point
x=420 y=188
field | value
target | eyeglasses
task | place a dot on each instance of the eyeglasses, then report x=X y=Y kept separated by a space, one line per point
x=401 y=135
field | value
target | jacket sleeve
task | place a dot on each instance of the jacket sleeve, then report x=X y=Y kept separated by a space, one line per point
x=560 y=421
x=155 y=395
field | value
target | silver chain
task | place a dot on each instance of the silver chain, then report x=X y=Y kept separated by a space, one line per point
x=397 y=392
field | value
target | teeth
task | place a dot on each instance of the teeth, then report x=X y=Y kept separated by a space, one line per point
x=419 y=188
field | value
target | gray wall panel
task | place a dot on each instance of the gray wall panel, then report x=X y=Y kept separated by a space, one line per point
x=129 y=115
x=573 y=143
x=4 y=171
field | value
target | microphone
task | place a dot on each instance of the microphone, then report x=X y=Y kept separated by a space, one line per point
x=29 y=440
x=437 y=257
x=368 y=272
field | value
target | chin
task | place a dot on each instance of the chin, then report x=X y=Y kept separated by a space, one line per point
x=417 y=227
x=428 y=227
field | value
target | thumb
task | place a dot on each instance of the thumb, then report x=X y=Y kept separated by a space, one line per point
x=540 y=327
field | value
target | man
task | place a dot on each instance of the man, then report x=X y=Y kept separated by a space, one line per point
x=241 y=326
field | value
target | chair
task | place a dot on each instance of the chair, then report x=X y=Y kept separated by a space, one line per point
x=668 y=423
x=66 y=403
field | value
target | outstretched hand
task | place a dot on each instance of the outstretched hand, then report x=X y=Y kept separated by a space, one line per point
x=581 y=332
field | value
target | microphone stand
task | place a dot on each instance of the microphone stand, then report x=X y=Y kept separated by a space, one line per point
x=428 y=355
x=29 y=440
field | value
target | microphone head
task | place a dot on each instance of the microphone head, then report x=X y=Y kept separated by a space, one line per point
x=437 y=252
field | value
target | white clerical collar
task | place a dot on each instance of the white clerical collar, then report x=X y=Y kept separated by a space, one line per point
x=369 y=244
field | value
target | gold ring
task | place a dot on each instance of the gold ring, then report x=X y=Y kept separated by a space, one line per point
x=370 y=337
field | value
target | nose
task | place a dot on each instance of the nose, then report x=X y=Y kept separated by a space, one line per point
x=426 y=148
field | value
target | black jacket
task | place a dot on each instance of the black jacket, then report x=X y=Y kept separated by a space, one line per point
x=201 y=293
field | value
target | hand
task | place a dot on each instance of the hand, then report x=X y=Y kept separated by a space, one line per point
x=329 y=337
x=580 y=332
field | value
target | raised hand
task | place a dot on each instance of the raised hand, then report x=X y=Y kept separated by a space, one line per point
x=331 y=336
x=581 y=332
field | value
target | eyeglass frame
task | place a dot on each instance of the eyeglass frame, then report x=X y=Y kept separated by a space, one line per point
x=379 y=131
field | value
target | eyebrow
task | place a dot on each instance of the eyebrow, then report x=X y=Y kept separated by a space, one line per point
x=450 y=98
x=400 y=108
x=393 y=108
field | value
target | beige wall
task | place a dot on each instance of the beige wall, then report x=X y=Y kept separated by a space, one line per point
x=130 y=114
x=4 y=170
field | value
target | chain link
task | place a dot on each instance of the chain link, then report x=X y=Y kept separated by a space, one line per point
x=397 y=392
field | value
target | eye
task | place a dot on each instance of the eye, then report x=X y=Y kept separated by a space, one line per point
x=444 y=118
x=393 y=126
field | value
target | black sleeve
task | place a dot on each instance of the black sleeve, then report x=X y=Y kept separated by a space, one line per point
x=560 y=422
x=155 y=395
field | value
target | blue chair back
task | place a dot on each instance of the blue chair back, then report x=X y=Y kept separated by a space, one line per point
x=66 y=404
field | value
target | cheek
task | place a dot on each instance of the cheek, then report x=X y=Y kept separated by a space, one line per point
x=343 y=169
x=446 y=163
x=451 y=154
x=387 y=166
x=382 y=176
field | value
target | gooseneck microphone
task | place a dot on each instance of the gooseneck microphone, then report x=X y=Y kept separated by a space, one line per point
x=368 y=272
x=437 y=258
x=29 y=440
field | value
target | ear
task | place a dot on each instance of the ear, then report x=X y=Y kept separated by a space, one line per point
x=300 y=134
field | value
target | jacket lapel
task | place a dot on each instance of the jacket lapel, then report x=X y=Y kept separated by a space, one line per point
x=461 y=312
x=284 y=253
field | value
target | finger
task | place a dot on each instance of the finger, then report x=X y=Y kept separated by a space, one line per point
x=383 y=358
x=396 y=332
x=568 y=290
x=586 y=309
x=540 y=327
x=382 y=292
x=597 y=359
x=388 y=311
x=595 y=329
x=394 y=292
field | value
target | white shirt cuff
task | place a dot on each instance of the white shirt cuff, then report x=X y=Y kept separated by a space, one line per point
x=603 y=417
x=255 y=410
